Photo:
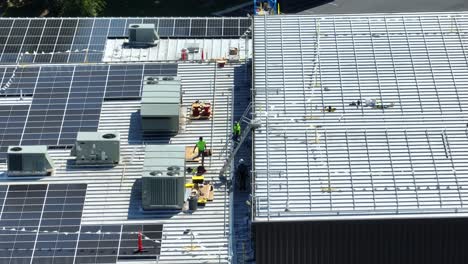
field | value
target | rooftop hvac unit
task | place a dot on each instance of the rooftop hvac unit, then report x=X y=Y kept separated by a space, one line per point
x=160 y=105
x=142 y=35
x=29 y=161
x=94 y=148
x=163 y=190
x=163 y=181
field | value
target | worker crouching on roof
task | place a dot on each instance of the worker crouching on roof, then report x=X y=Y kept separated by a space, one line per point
x=236 y=131
x=201 y=146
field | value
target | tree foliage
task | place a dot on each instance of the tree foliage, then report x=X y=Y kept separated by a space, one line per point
x=72 y=8
x=18 y=3
x=84 y=8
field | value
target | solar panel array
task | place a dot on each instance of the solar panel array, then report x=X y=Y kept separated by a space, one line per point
x=65 y=99
x=40 y=221
x=41 y=224
x=71 y=40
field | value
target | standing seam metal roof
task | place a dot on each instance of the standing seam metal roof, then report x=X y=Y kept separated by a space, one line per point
x=402 y=161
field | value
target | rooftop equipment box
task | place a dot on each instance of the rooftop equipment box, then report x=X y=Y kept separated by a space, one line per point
x=163 y=181
x=142 y=35
x=29 y=161
x=160 y=105
x=93 y=148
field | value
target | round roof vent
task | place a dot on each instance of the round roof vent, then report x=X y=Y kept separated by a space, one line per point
x=16 y=149
x=156 y=173
x=173 y=173
x=109 y=136
x=173 y=168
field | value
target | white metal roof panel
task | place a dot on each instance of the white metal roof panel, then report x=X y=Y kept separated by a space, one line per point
x=408 y=159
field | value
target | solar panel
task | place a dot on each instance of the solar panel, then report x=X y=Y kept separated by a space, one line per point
x=182 y=27
x=231 y=27
x=214 y=28
x=198 y=27
x=117 y=27
x=166 y=27
x=83 y=40
x=12 y=120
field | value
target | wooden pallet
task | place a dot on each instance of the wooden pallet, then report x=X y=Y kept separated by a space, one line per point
x=189 y=155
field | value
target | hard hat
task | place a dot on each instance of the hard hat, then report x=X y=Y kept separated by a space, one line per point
x=241 y=161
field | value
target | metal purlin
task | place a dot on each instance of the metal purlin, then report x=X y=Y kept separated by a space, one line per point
x=451 y=68
x=433 y=164
x=455 y=176
x=392 y=168
x=356 y=64
x=412 y=169
x=393 y=64
x=350 y=169
x=375 y=64
x=304 y=91
x=412 y=63
x=430 y=64
x=265 y=32
x=370 y=169
x=339 y=66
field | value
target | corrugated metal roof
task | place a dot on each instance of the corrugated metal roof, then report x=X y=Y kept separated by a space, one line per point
x=112 y=195
x=407 y=159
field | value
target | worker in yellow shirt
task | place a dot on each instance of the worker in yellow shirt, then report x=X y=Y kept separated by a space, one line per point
x=236 y=131
x=201 y=146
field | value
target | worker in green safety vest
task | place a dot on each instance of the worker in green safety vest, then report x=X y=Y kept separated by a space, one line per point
x=201 y=146
x=236 y=131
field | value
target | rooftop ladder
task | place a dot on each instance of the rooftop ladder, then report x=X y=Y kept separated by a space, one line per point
x=251 y=125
